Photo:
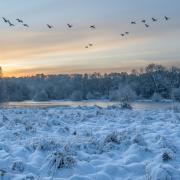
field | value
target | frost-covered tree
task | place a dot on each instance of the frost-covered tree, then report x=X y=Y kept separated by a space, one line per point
x=76 y=96
x=124 y=94
x=176 y=94
x=3 y=88
x=156 y=97
x=155 y=79
x=90 y=96
x=41 y=96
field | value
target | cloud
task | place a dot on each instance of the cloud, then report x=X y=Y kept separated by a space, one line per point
x=38 y=48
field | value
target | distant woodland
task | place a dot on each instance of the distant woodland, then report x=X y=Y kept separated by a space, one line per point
x=153 y=82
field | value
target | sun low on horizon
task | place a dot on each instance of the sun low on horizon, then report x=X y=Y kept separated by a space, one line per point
x=67 y=36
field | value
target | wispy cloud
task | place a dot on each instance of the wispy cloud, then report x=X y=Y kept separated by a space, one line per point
x=28 y=51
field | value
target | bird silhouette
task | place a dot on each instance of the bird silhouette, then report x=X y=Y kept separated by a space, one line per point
x=49 y=26
x=122 y=35
x=143 y=21
x=93 y=27
x=5 y=20
x=69 y=25
x=26 y=25
x=166 y=18
x=133 y=22
x=154 y=20
x=19 y=20
x=127 y=33
x=90 y=44
x=86 y=47
x=147 y=25
x=10 y=24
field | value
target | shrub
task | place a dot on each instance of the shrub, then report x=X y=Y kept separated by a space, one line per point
x=59 y=160
x=167 y=155
x=18 y=166
x=113 y=137
x=43 y=144
x=126 y=105
x=124 y=94
x=156 y=97
x=2 y=172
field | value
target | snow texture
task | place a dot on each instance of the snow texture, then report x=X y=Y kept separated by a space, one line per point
x=84 y=143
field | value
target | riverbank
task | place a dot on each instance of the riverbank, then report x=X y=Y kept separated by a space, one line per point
x=137 y=105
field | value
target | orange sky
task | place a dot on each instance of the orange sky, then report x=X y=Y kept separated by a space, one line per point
x=27 y=51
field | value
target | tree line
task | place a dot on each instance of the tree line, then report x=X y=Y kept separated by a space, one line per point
x=154 y=81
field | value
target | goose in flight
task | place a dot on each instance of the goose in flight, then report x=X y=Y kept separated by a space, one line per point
x=122 y=35
x=86 y=47
x=93 y=27
x=127 y=33
x=19 y=20
x=133 y=22
x=154 y=20
x=69 y=25
x=10 y=24
x=143 y=21
x=49 y=26
x=5 y=20
x=166 y=18
x=25 y=25
x=147 y=25
x=90 y=44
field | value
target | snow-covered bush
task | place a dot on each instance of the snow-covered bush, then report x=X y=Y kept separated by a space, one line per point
x=116 y=137
x=124 y=94
x=18 y=166
x=30 y=128
x=2 y=173
x=156 y=171
x=44 y=144
x=166 y=144
x=108 y=142
x=122 y=105
x=167 y=155
x=30 y=177
x=113 y=137
x=138 y=139
x=59 y=160
x=156 y=97
x=125 y=105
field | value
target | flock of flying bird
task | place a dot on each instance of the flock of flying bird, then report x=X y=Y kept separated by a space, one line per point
x=145 y=23
x=7 y=21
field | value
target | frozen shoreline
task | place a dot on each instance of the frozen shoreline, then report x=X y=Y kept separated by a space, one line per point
x=89 y=143
x=137 y=105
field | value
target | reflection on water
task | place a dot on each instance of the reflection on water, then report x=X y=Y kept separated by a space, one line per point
x=136 y=105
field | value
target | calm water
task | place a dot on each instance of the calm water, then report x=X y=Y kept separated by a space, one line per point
x=136 y=105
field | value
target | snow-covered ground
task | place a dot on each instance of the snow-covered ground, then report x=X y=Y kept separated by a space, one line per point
x=80 y=143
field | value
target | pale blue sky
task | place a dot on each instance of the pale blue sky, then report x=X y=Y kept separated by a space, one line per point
x=61 y=50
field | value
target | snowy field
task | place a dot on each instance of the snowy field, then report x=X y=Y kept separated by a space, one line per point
x=83 y=143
